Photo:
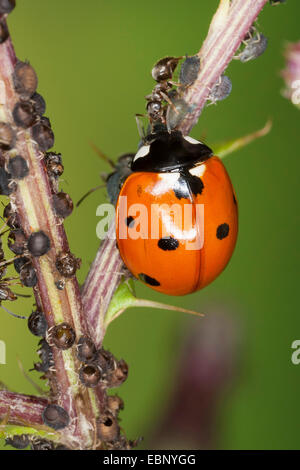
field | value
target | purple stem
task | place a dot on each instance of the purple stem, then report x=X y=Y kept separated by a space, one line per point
x=102 y=280
x=228 y=28
x=34 y=205
x=21 y=409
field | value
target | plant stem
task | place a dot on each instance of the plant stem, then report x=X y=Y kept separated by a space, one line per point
x=16 y=408
x=102 y=280
x=34 y=205
x=228 y=28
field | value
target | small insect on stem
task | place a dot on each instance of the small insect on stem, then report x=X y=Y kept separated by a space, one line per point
x=62 y=204
x=18 y=442
x=255 y=45
x=277 y=2
x=166 y=107
x=67 y=264
x=86 y=350
x=5 y=284
x=55 y=417
x=25 y=79
x=38 y=244
x=189 y=70
x=62 y=336
x=90 y=375
x=37 y=323
x=162 y=73
x=221 y=90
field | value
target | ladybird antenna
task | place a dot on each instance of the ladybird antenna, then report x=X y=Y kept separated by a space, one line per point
x=88 y=193
x=21 y=317
x=102 y=155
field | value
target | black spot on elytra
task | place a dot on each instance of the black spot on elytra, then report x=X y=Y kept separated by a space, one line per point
x=188 y=185
x=130 y=221
x=195 y=183
x=222 y=231
x=149 y=280
x=168 y=243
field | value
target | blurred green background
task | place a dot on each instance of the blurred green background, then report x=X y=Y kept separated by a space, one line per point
x=93 y=60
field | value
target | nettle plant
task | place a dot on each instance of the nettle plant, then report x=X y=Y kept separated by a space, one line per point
x=77 y=412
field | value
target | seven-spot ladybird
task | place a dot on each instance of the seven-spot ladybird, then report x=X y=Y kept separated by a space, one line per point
x=170 y=255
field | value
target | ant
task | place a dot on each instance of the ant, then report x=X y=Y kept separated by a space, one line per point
x=165 y=110
x=162 y=73
x=166 y=107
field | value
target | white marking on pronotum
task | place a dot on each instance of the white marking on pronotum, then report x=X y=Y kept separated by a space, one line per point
x=198 y=170
x=191 y=140
x=142 y=152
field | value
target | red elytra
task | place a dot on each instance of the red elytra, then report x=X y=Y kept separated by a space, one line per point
x=184 y=255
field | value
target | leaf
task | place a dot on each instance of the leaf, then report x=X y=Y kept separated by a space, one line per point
x=8 y=430
x=225 y=148
x=124 y=298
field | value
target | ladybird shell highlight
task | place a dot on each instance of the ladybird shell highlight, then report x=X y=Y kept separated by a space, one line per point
x=164 y=262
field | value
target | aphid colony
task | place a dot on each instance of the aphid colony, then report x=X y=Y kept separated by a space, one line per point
x=95 y=366
x=28 y=114
x=98 y=366
x=166 y=105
